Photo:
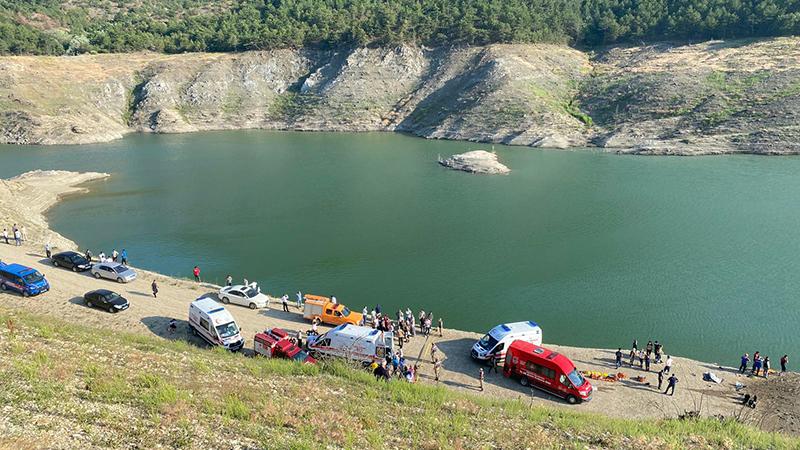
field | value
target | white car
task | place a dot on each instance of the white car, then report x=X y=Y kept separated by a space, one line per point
x=249 y=296
x=113 y=271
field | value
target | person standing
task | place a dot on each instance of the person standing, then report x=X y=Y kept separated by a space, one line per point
x=657 y=349
x=114 y=255
x=434 y=349
x=745 y=361
x=784 y=362
x=635 y=345
x=124 y=256
x=5 y=235
x=480 y=378
x=17 y=238
x=766 y=366
x=196 y=273
x=88 y=255
x=757 y=363
x=618 y=358
x=660 y=378
x=671 y=382
x=441 y=327
x=647 y=362
x=300 y=301
x=229 y=280
x=668 y=365
x=154 y=287
x=649 y=348
x=285 y=303
x=47 y=250
x=333 y=299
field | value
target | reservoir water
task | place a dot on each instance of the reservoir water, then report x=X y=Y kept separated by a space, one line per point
x=701 y=253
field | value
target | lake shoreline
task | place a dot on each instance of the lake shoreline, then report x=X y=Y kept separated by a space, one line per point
x=616 y=400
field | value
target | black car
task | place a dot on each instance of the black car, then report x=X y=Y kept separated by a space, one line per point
x=71 y=260
x=105 y=299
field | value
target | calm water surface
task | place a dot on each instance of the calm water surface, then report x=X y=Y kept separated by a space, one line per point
x=700 y=253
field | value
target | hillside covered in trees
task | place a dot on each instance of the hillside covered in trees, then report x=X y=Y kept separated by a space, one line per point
x=174 y=26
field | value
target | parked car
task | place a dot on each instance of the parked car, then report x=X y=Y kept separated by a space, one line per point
x=105 y=299
x=22 y=279
x=71 y=260
x=249 y=296
x=113 y=271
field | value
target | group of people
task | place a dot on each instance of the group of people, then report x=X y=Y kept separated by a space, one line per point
x=761 y=365
x=120 y=257
x=18 y=234
x=652 y=353
x=395 y=366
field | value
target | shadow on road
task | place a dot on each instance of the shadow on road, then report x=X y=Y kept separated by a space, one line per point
x=159 y=325
x=289 y=317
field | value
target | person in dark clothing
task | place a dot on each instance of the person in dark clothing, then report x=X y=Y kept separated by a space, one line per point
x=784 y=362
x=671 y=382
x=635 y=345
x=745 y=361
x=657 y=347
x=618 y=358
x=154 y=287
x=649 y=348
x=660 y=378
x=380 y=372
x=647 y=362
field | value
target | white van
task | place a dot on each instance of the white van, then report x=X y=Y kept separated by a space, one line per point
x=353 y=342
x=499 y=338
x=211 y=321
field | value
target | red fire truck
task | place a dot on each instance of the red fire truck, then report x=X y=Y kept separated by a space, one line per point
x=275 y=343
x=546 y=370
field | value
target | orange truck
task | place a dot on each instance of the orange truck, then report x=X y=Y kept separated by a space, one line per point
x=322 y=308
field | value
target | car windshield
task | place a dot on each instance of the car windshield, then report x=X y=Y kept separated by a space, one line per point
x=300 y=356
x=345 y=311
x=576 y=378
x=227 y=330
x=250 y=292
x=111 y=296
x=487 y=342
x=120 y=269
x=78 y=259
x=34 y=277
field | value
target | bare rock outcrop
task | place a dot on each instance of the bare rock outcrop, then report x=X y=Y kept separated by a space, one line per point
x=476 y=161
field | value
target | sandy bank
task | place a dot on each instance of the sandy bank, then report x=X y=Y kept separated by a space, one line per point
x=23 y=200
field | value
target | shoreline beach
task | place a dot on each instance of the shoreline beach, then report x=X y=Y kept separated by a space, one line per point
x=24 y=200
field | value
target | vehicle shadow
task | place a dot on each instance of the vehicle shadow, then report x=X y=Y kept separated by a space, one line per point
x=282 y=315
x=79 y=301
x=159 y=325
x=140 y=293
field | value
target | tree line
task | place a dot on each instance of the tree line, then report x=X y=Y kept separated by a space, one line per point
x=174 y=26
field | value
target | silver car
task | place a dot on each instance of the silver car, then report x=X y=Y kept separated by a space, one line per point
x=113 y=271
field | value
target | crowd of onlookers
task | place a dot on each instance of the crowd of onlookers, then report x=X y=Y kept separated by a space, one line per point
x=761 y=364
x=18 y=234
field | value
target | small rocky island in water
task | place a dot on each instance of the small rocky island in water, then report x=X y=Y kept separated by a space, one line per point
x=476 y=161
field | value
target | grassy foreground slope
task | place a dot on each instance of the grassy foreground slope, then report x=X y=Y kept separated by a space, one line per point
x=64 y=386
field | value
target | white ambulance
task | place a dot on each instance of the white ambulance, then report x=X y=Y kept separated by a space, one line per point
x=353 y=342
x=499 y=338
x=211 y=321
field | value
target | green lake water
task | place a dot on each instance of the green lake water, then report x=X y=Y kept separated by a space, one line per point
x=701 y=253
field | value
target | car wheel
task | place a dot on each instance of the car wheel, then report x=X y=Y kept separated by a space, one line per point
x=25 y=293
x=524 y=381
x=55 y=263
x=120 y=280
x=225 y=300
x=74 y=268
x=89 y=304
x=3 y=286
x=111 y=309
x=252 y=306
x=571 y=399
x=97 y=275
x=194 y=330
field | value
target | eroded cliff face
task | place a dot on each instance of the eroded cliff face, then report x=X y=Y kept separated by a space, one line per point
x=705 y=98
x=502 y=93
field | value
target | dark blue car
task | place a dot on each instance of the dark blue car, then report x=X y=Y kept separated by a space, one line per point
x=22 y=279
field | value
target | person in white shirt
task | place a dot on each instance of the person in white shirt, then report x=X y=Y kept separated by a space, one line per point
x=5 y=235
x=668 y=364
x=102 y=257
x=299 y=299
x=333 y=299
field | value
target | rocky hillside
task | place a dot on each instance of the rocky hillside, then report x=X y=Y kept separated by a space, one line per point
x=715 y=97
